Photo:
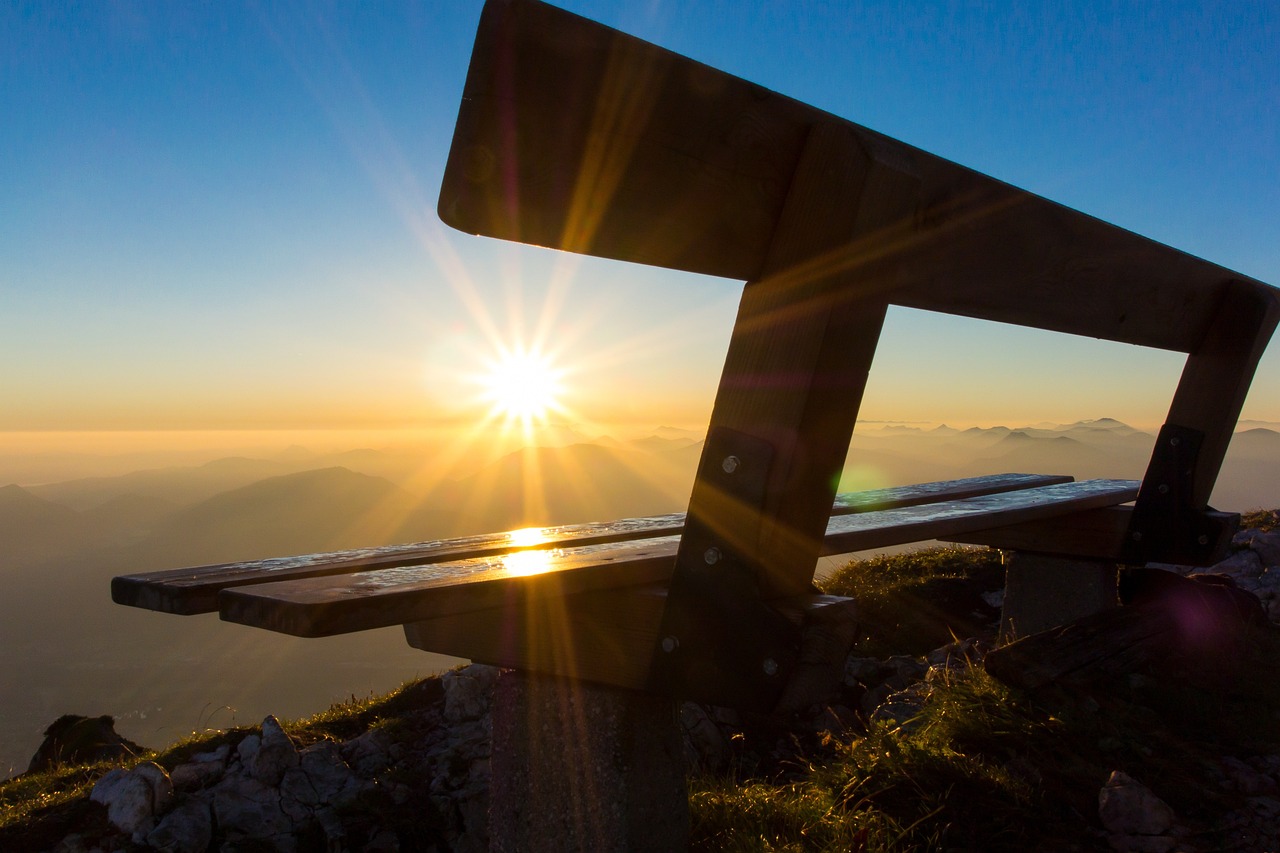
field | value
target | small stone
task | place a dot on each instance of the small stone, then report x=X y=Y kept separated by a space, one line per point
x=247 y=750
x=907 y=667
x=1245 y=779
x=1267 y=547
x=1127 y=807
x=134 y=797
x=186 y=829
x=1241 y=564
x=369 y=753
x=468 y=692
x=384 y=841
x=1267 y=807
x=196 y=774
x=865 y=671
x=219 y=755
x=244 y=808
x=276 y=754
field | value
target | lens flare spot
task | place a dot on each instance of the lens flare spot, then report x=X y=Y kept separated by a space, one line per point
x=527 y=537
x=524 y=563
x=523 y=385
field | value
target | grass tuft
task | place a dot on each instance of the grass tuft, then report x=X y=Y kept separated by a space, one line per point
x=914 y=603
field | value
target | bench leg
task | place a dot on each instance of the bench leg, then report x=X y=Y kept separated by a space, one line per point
x=1043 y=591
x=578 y=766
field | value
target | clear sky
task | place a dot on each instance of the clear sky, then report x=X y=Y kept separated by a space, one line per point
x=221 y=215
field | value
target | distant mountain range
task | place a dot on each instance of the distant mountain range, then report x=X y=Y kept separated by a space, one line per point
x=70 y=650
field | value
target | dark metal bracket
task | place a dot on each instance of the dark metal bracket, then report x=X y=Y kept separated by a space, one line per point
x=720 y=643
x=1166 y=526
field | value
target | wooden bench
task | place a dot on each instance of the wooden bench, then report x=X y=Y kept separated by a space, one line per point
x=577 y=137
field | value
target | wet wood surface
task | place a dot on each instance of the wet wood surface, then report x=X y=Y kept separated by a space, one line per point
x=195 y=589
x=383 y=597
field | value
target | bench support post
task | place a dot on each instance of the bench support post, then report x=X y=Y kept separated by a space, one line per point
x=793 y=378
x=1043 y=591
x=578 y=766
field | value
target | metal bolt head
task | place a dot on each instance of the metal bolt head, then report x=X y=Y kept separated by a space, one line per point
x=1137 y=536
x=1163 y=488
x=1175 y=441
x=711 y=556
x=1203 y=540
x=770 y=667
x=670 y=644
x=730 y=464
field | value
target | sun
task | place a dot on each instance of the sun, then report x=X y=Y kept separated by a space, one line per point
x=523 y=385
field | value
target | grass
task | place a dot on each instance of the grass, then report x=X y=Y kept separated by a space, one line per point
x=914 y=603
x=38 y=809
x=981 y=767
x=987 y=767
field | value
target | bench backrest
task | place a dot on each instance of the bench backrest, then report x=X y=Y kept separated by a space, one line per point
x=577 y=137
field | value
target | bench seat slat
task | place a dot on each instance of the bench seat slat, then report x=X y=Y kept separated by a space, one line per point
x=385 y=597
x=194 y=590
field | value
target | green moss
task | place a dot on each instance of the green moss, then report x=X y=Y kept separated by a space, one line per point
x=914 y=603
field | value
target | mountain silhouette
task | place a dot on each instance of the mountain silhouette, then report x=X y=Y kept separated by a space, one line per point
x=318 y=510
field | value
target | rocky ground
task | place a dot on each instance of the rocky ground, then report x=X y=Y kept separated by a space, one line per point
x=415 y=775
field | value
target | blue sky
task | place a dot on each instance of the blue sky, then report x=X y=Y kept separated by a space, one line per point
x=221 y=215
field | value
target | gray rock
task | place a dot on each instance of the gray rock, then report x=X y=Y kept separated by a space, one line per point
x=219 y=755
x=706 y=746
x=1241 y=564
x=275 y=755
x=196 y=774
x=186 y=829
x=246 y=809
x=468 y=692
x=1127 y=807
x=1245 y=779
x=865 y=671
x=384 y=841
x=321 y=779
x=369 y=753
x=247 y=750
x=1267 y=547
x=133 y=797
x=907 y=667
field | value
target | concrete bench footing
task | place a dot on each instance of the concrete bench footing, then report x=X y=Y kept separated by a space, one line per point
x=578 y=766
x=1043 y=591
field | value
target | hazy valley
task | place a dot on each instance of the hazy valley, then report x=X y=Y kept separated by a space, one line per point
x=68 y=649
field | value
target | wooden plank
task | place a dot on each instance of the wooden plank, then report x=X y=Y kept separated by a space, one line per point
x=318 y=607
x=794 y=374
x=603 y=636
x=941 y=521
x=384 y=597
x=1217 y=375
x=195 y=589
x=941 y=490
x=1092 y=534
x=1098 y=534
x=574 y=136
